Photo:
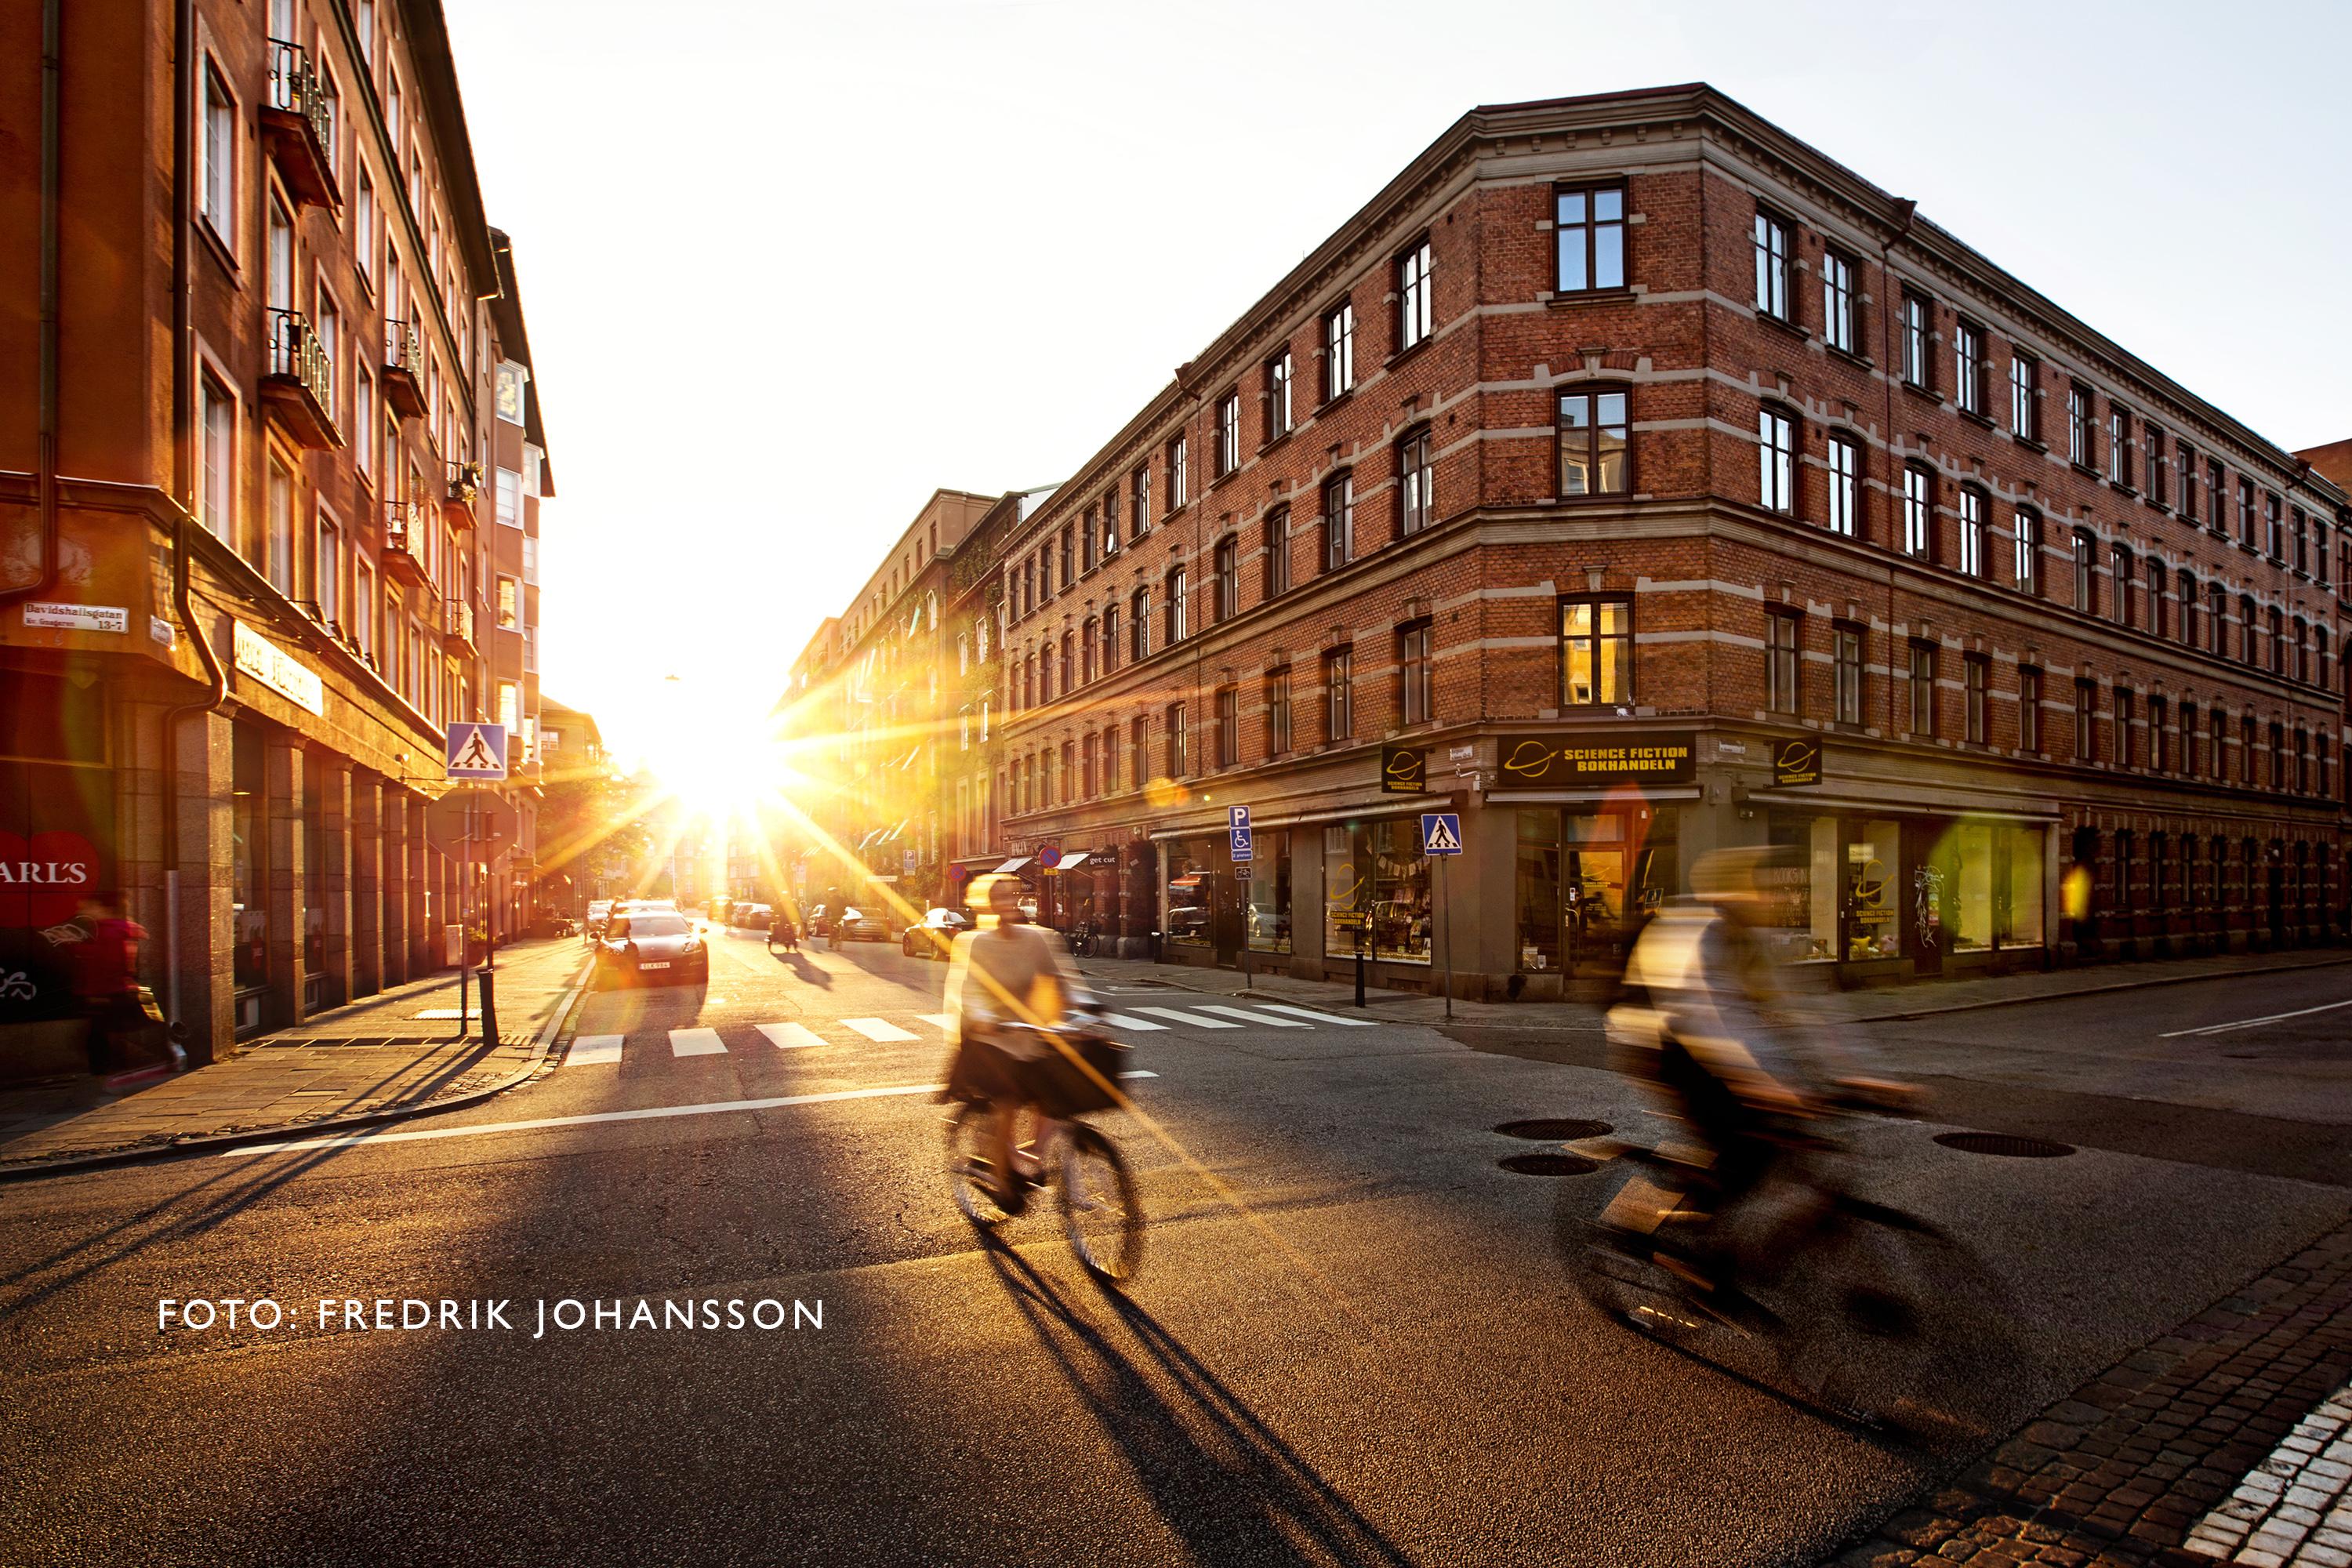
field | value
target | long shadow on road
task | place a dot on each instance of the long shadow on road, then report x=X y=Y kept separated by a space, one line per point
x=1223 y=1481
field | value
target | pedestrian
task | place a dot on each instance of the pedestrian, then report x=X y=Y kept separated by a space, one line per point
x=106 y=984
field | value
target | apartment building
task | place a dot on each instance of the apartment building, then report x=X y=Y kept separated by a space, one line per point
x=256 y=332
x=518 y=479
x=1635 y=480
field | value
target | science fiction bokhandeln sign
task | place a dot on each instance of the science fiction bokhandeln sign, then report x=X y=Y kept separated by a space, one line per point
x=1599 y=758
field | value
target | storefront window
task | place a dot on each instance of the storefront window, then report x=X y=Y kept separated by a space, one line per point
x=1344 y=891
x=1970 y=902
x=249 y=862
x=1402 y=913
x=1269 y=894
x=1874 y=890
x=1538 y=892
x=1807 y=874
x=1191 y=891
x=2020 y=919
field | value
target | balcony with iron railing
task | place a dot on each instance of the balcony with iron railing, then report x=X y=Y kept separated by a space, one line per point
x=403 y=368
x=403 y=541
x=298 y=386
x=457 y=500
x=297 y=123
x=457 y=626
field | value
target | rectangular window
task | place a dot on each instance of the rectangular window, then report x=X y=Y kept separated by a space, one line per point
x=2120 y=587
x=2024 y=396
x=2245 y=511
x=1226 y=562
x=2119 y=464
x=1596 y=651
x=1918 y=511
x=1229 y=433
x=1416 y=693
x=1593 y=448
x=1776 y=450
x=1277 y=396
x=1087 y=766
x=1416 y=484
x=1970 y=366
x=1589 y=235
x=216 y=417
x=1277 y=712
x=510 y=603
x=2078 y=426
x=2154 y=466
x=2086 y=720
x=219 y=174
x=279 y=561
x=1917 y=325
x=2273 y=536
x=1277 y=552
x=2087 y=578
x=1845 y=644
x=1140 y=625
x=1179 y=479
x=1110 y=758
x=1229 y=728
x=1783 y=637
x=2127 y=729
x=1109 y=639
x=1089 y=535
x=2190 y=499
x=1339 y=352
x=2159 y=741
x=1413 y=306
x=1339 y=695
x=1178 y=763
x=1111 y=522
x=1179 y=607
x=327 y=570
x=1977 y=675
x=1923 y=688
x=1069 y=556
x=1139 y=738
x=1837 y=303
x=1972 y=532
x=1338 y=521
x=1139 y=495
x=1846 y=486
x=2027 y=565
x=2029 y=710
x=1771 y=266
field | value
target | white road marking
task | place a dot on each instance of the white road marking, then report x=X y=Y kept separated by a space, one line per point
x=711 y=1108
x=594 y=1050
x=696 y=1043
x=1194 y=1019
x=440 y=1013
x=940 y=1021
x=1322 y=1017
x=1121 y=1021
x=1139 y=1072
x=790 y=1036
x=878 y=1029
x=1247 y=1016
x=2251 y=1023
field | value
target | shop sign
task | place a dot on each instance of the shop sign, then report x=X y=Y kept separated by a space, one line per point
x=281 y=671
x=1797 y=761
x=1601 y=758
x=1404 y=770
x=44 y=876
x=80 y=617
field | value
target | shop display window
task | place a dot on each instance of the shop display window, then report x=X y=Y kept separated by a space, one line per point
x=1537 y=891
x=1191 y=891
x=249 y=862
x=1377 y=891
x=1269 y=894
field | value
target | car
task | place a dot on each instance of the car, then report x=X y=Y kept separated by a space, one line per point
x=750 y=917
x=659 y=946
x=931 y=936
x=821 y=919
x=857 y=925
x=598 y=908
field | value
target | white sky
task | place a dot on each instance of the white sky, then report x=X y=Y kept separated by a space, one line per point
x=789 y=268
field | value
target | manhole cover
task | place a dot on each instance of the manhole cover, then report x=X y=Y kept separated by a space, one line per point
x=1548 y=1164
x=1552 y=1129
x=2007 y=1144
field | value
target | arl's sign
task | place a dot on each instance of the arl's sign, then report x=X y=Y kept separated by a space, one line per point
x=44 y=876
x=1599 y=759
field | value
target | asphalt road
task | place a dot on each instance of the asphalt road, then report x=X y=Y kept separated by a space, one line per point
x=1352 y=1340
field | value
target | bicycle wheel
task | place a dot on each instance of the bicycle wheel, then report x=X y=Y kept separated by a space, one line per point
x=1099 y=1209
x=972 y=1167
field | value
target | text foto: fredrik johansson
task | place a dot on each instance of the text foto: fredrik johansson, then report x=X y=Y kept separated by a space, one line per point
x=566 y=1314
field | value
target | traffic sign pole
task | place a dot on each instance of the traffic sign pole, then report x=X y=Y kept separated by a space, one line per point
x=1445 y=929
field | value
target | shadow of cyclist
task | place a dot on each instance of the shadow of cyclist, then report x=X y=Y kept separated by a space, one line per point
x=1217 y=1475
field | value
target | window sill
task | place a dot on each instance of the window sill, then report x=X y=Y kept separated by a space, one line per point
x=1621 y=295
x=2087 y=470
x=210 y=239
x=2124 y=490
x=1861 y=361
x=1781 y=324
x=1616 y=498
x=1281 y=440
x=2033 y=443
x=1403 y=355
x=1925 y=394
x=1333 y=401
x=1983 y=421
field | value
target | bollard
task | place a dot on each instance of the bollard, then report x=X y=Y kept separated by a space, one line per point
x=489 y=1008
x=1360 y=975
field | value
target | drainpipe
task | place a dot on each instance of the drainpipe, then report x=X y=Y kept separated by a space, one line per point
x=184 y=487
x=52 y=74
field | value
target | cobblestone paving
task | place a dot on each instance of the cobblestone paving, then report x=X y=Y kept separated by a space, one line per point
x=2291 y=1508
x=2162 y=1442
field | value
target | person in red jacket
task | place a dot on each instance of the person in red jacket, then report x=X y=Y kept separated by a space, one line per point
x=106 y=976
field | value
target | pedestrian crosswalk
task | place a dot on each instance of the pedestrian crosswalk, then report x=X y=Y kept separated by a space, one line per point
x=704 y=1040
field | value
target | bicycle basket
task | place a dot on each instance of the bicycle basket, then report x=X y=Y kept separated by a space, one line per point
x=1064 y=1090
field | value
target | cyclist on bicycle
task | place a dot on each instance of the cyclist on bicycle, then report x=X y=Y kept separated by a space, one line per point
x=1006 y=975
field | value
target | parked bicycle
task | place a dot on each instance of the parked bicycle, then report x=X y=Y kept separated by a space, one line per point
x=1101 y=1212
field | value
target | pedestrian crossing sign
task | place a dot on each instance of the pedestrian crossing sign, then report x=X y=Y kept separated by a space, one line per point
x=478 y=751
x=1441 y=833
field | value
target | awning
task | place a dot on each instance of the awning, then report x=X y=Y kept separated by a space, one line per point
x=1012 y=865
x=1071 y=862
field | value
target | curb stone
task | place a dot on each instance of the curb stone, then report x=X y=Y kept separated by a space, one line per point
x=215 y=1143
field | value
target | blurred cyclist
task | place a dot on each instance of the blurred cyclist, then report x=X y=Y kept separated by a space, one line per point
x=1007 y=974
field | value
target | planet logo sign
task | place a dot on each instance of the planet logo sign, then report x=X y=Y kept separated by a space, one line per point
x=1663 y=759
x=45 y=878
x=1404 y=770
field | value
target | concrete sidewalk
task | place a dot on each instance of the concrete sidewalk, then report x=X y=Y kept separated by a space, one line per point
x=1920 y=999
x=385 y=1055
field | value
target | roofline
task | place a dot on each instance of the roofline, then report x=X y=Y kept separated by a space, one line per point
x=428 y=46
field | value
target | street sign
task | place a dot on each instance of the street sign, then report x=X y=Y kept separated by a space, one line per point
x=1049 y=857
x=1238 y=827
x=1441 y=833
x=478 y=751
x=1237 y=816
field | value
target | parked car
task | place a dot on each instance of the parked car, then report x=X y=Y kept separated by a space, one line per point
x=857 y=925
x=932 y=935
x=750 y=917
x=660 y=946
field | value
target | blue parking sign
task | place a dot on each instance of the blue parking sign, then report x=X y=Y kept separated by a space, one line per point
x=1441 y=833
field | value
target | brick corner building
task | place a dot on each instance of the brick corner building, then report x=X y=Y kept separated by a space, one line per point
x=1646 y=482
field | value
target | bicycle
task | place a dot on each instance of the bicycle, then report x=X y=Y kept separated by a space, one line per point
x=1865 y=1311
x=1101 y=1214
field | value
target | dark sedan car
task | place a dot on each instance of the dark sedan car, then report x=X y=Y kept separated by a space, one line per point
x=861 y=925
x=932 y=936
x=660 y=946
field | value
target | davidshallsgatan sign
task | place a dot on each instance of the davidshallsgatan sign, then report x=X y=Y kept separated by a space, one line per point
x=1600 y=758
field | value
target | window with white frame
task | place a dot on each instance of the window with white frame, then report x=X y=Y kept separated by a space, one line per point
x=219 y=174
x=1277 y=396
x=509 y=499
x=1846 y=486
x=1414 y=319
x=1972 y=532
x=1229 y=433
x=1776 y=449
x=2027 y=567
x=1338 y=350
x=1838 y=302
x=217 y=421
x=1771 y=266
x=1919 y=510
x=1416 y=482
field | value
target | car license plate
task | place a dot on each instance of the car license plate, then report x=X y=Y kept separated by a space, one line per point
x=659 y=963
